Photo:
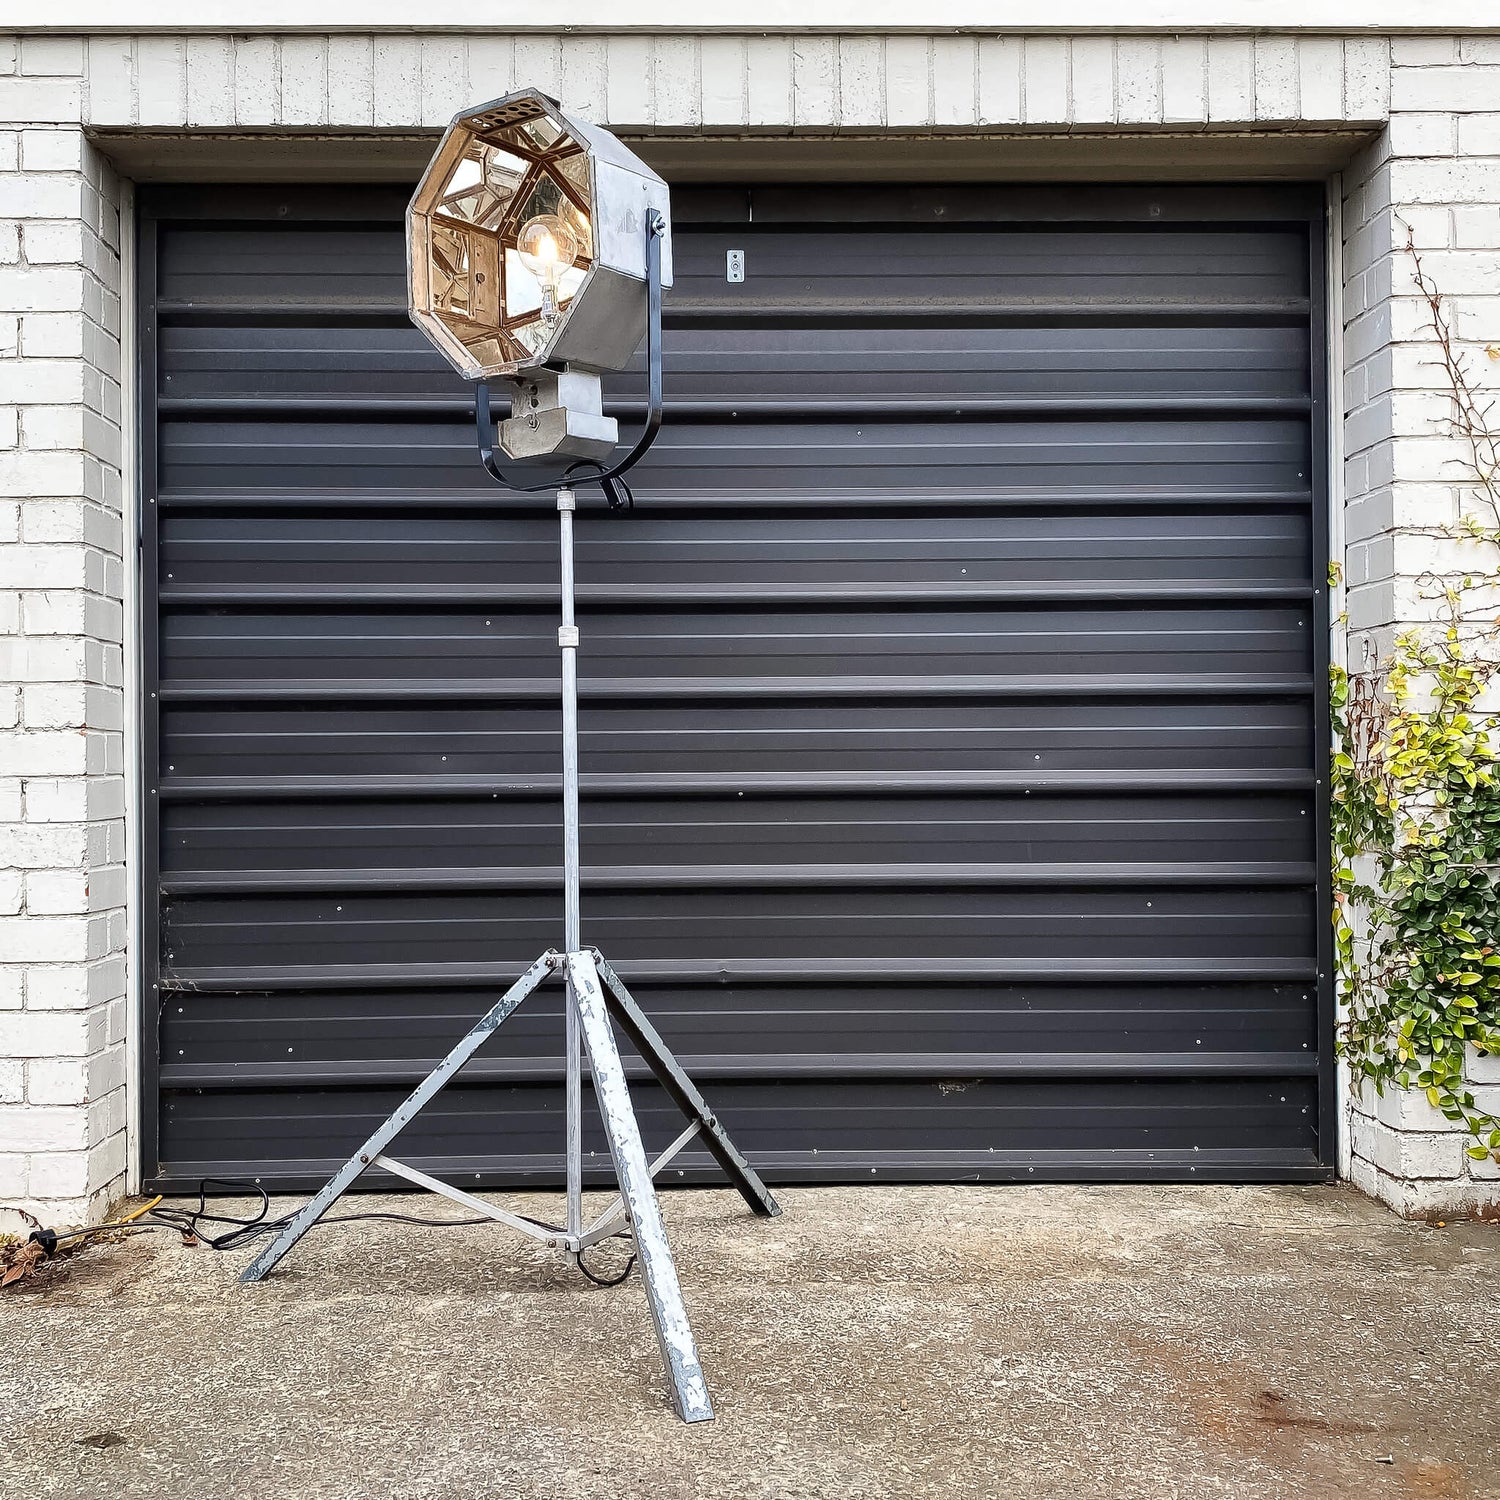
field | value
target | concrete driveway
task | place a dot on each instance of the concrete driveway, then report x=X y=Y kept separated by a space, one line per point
x=871 y=1343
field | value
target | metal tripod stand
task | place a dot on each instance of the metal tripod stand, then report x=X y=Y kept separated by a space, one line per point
x=596 y=998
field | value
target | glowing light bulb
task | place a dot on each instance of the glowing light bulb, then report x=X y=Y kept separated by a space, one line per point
x=547 y=248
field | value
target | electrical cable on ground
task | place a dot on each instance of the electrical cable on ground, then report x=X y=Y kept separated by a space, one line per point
x=602 y=1281
x=50 y=1239
x=245 y=1229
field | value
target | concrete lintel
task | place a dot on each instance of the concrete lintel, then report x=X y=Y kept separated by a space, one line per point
x=1019 y=156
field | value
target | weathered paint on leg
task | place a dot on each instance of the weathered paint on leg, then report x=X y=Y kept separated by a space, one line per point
x=395 y=1123
x=679 y=1351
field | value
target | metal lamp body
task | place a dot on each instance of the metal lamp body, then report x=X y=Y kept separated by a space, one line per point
x=497 y=166
x=558 y=412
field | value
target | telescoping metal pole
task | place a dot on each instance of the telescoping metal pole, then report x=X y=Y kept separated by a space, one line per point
x=567 y=640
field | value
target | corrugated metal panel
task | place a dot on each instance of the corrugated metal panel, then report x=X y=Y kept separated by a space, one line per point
x=950 y=704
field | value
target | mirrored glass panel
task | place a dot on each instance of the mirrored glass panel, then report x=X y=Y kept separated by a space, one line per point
x=510 y=240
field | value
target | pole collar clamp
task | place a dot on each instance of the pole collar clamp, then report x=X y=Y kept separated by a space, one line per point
x=567 y=635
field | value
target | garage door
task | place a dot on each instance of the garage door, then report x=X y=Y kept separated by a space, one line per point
x=952 y=701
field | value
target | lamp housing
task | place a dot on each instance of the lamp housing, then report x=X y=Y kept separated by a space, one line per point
x=514 y=186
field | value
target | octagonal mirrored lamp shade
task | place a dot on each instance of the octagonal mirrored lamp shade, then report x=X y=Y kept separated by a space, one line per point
x=526 y=241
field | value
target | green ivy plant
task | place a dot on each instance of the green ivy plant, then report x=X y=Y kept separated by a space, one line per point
x=1416 y=810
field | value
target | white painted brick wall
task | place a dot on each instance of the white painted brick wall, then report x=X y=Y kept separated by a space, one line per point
x=62 y=882
x=63 y=1081
x=675 y=83
x=1436 y=174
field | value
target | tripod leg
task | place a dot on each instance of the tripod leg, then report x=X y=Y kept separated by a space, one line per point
x=646 y=1040
x=679 y=1352
x=361 y=1161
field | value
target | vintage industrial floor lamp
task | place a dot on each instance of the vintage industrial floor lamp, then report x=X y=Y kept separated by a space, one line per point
x=538 y=246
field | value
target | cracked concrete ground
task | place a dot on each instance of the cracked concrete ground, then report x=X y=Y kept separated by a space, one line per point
x=871 y=1343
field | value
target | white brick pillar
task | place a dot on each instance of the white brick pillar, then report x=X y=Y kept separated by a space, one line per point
x=1435 y=170
x=63 y=1084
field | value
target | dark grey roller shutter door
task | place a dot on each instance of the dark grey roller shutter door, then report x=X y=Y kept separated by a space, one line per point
x=952 y=700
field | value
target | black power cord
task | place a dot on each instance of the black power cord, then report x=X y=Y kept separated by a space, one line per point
x=602 y=1281
x=245 y=1229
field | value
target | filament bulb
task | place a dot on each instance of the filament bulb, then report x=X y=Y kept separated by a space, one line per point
x=547 y=248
